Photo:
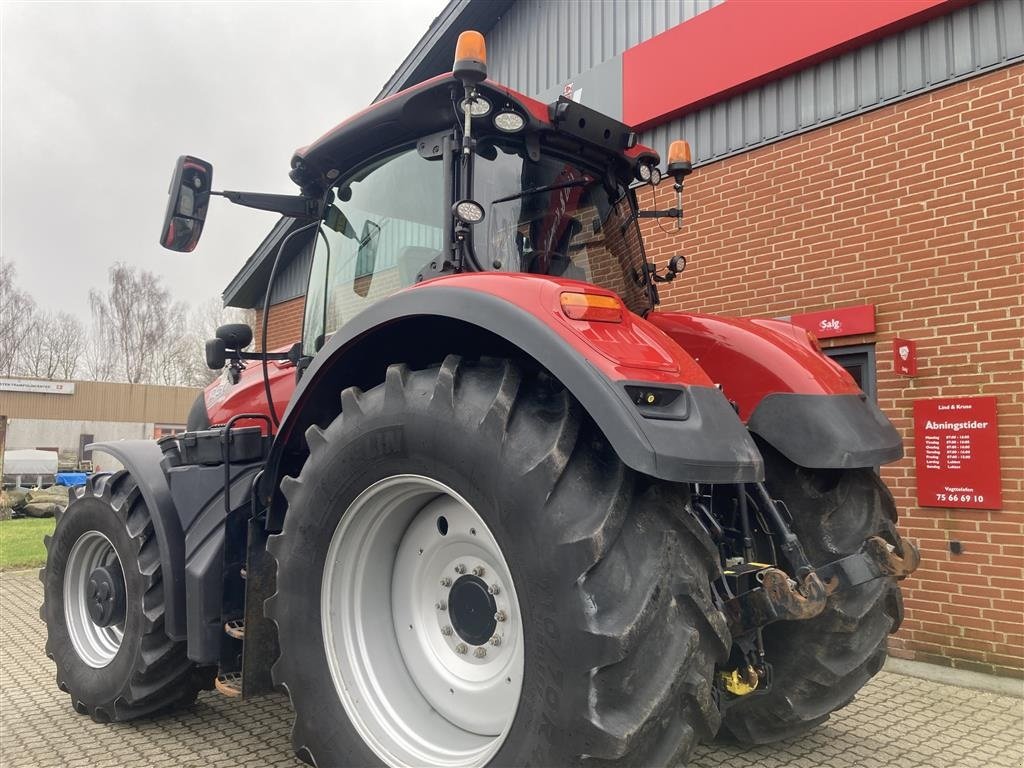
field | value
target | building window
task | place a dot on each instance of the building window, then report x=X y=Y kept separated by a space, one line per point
x=859 y=362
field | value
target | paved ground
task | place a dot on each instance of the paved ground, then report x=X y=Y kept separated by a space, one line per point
x=896 y=721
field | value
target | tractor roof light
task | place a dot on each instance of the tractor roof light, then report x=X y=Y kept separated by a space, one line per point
x=680 y=160
x=643 y=172
x=592 y=307
x=509 y=121
x=478 y=107
x=470 y=58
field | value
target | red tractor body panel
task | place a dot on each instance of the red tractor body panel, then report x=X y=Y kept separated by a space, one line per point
x=751 y=359
x=633 y=350
x=224 y=399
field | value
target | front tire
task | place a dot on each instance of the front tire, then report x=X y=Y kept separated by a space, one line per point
x=603 y=579
x=103 y=606
x=819 y=664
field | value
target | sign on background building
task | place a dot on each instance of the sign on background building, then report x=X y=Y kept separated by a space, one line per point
x=39 y=386
x=957 y=442
x=841 y=321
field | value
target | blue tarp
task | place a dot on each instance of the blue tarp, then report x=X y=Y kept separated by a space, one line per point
x=71 y=479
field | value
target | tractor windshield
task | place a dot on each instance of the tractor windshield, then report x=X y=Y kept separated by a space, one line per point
x=554 y=217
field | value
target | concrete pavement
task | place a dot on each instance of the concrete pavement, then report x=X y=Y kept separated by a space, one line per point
x=896 y=721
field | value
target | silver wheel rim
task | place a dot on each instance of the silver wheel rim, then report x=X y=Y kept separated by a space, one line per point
x=95 y=645
x=404 y=563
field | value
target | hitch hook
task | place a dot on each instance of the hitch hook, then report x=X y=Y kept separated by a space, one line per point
x=889 y=561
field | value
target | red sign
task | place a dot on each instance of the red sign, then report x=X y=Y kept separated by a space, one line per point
x=957 y=442
x=846 y=321
x=904 y=357
x=736 y=46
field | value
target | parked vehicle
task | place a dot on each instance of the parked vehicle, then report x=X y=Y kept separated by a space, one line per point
x=494 y=508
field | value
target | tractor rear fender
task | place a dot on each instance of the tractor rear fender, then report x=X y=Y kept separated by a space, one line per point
x=142 y=459
x=697 y=438
x=789 y=393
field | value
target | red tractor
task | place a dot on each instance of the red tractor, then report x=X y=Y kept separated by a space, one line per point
x=493 y=509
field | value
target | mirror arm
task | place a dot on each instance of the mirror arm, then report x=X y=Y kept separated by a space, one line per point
x=236 y=355
x=296 y=206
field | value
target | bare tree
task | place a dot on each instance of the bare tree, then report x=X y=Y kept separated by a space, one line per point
x=56 y=346
x=17 y=321
x=99 y=361
x=137 y=319
x=68 y=336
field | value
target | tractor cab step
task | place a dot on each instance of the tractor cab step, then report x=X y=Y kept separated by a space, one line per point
x=235 y=628
x=230 y=684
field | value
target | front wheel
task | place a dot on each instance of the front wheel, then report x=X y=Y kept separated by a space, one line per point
x=103 y=604
x=469 y=576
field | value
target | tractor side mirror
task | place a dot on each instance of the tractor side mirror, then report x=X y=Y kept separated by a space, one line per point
x=235 y=336
x=216 y=354
x=188 y=199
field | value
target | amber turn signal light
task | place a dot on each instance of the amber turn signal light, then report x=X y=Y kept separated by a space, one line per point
x=591 y=307
x=470 y=57
x=680 y=161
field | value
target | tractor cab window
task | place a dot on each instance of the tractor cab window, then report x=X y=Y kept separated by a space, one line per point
x=384 y=228
x=555 y=217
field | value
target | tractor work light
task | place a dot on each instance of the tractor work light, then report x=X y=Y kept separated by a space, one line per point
x=478 y=107
x=655 y=176
x=680 y=162
x=643 y=171
x=592 y=307
x=509 y=122
x=470 y=58
x=468 y=211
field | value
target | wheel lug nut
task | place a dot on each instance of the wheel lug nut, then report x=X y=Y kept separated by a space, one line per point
x=460 y=648
x=495 y=640
x=480 y=652
x=500 y=616
x=460 y=569
x=478 y=571
x=494 y=589
x=446 y=631
x=446 y=582
x=441 y=605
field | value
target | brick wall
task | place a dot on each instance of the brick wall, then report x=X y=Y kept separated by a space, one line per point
x=284 y=326
x=916 y=208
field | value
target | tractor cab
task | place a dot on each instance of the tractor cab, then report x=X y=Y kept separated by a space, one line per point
x=540 y=191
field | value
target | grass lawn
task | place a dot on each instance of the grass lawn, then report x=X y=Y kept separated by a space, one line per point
x=21 y=542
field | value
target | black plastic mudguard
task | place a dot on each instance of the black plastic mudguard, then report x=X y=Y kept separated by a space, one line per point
x=198 y=493
x=827 y=431
x=709 y=445
x=142 y=459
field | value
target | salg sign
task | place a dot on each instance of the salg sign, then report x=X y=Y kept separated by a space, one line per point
x=843 y=321
x=957 y=447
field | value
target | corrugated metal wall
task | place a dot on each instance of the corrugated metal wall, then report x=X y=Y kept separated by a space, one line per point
x=291 y=280
x=538 y=45
x=104 y=401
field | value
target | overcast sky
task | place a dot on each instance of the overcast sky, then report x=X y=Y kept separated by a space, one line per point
x=98 y=100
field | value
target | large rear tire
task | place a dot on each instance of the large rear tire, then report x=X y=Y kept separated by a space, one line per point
x=103 y=605
x=819 y=664
x=481 y=469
